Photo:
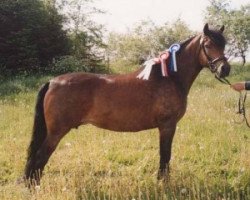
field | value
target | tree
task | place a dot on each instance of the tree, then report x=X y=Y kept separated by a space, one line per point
x=237 y=25
x=85 y=34
x=31 y=35
x=239 y=32
x=145 y=41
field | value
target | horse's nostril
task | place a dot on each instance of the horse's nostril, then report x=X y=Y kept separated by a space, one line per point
x=225 y=70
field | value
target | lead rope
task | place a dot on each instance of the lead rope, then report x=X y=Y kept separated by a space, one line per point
x=241 y=101
x=223 y=80
x=241 y=107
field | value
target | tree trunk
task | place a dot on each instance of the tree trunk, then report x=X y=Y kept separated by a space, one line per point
x=243 y=59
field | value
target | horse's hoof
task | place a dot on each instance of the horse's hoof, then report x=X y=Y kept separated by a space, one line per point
x=29 y=183
x=163 y=175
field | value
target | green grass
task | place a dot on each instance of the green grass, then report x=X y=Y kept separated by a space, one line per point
x=210 y=160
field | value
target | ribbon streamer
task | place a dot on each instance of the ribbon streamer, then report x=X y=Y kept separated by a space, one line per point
x=171 y=53
x=145 y=73
x=163 y=59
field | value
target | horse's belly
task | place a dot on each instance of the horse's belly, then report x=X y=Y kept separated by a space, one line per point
x=120 y=127
x=116 y=120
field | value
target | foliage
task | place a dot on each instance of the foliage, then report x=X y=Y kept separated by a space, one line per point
x=144 y=41
x=66 y=64
x=69 y=64
x=86 y=35
x=237 y=25
x=36 y=34
x=31 y=35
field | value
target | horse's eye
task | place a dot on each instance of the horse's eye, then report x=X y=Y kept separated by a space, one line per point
x=208 y=46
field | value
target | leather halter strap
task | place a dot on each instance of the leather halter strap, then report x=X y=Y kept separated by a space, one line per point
x=212 y=62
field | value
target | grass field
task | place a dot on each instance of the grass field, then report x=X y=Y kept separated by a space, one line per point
x=210 y=160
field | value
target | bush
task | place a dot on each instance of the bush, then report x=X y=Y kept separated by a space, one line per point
x=68 y=64
x=31 y=35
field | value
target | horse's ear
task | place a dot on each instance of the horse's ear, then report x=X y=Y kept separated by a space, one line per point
x=222 y=28
x=206 y=29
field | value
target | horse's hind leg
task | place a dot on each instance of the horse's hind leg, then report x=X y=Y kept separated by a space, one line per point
x=42 y=156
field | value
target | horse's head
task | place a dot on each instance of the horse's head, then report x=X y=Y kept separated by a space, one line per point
x=212 y=51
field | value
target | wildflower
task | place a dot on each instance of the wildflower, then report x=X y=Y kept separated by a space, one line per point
x=68 y=144
x=37 y=187
x=183 y=191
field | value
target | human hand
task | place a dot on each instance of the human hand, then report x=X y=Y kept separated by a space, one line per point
x=238 y=86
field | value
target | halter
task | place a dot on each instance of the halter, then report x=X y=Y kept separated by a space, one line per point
x=212 y=62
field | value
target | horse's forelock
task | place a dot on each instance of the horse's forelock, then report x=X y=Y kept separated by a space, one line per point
x=217 y=37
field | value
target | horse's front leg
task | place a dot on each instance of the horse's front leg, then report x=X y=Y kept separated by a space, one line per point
x=166 y=137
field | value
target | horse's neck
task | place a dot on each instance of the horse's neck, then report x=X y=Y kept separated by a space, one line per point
x=188 y=65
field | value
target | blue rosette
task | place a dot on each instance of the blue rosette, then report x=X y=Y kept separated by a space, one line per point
x=173 y=49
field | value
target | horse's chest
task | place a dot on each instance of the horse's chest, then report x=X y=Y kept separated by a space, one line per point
x=170 y=107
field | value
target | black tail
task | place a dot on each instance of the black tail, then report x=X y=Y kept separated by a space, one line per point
x=39 y=132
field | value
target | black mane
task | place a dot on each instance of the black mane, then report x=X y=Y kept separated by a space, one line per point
x=185 y=42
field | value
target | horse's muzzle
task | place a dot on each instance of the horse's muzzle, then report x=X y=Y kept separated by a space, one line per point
x=223 y=70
